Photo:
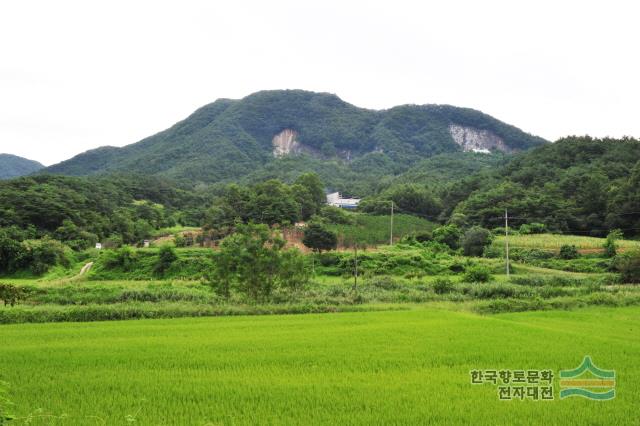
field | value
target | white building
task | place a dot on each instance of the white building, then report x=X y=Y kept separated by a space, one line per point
x=336 y=200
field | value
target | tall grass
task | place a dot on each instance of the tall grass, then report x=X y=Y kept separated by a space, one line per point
x=373 y=230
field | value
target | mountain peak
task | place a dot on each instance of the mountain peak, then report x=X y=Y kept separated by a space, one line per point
x=228 y=139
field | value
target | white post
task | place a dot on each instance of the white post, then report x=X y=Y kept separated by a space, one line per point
x=506 y=239
x=391 y=226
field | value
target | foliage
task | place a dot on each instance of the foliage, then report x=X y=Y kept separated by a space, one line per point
x=443 y=286
x=41 y=255
x=610 y=246
x=253 y=261
x=628 y=265
x=371 y=229
x=532 y=228
x=335 y=215
x=123 y=258
x=166 y=257
x=449 y=235
x=477 y=274
x=474 y=240
x=576 y=185
x=81 y=211
x=568 y=252
x=318 y=238
x=10 y=294
x=236 y=136
x=12 y=166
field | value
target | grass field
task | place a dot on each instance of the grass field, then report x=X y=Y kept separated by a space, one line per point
x=404 y=367
x=374 y=230
x=554 y=242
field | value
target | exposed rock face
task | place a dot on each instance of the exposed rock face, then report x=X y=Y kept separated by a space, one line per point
x=285 y=143
x=476 y=140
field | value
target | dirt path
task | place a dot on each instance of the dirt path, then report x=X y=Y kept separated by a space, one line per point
x=86 y=268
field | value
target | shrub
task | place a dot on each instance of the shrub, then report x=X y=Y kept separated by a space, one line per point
x=10 y=294
x=42 y=254
x=449 y=235
x=336 y=215
x=166 y=257
x=629 y=267
x=532 y=228
x=610 y=246
x=568 y=252
x=123 y=258
x=475 y=240
x=443 y=286
x=477 y=274
x=319 y=239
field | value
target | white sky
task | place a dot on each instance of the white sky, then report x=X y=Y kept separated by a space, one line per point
x=75 y=75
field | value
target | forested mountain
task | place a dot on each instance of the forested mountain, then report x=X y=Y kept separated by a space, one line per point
x=82 y=210
x=575 y=185
x=229 y=139
x=13 y=166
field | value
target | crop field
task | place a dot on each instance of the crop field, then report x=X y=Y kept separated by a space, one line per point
x=373 y=230
x=554 y=242
x=402 y=367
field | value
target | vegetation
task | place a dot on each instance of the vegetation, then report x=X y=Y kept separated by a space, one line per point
x=319 y=239
x=254 y=262
x=199 y=368
x=236 y=136
x=12 y=166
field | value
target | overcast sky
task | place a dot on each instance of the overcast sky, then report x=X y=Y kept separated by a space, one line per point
x=78 y=75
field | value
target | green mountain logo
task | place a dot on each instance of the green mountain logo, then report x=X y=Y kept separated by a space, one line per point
x=588 y=381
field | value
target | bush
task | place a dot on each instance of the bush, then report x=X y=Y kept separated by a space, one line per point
x=475 y=240
x=477 y=274
x=449 y=235
x=336 y=215
x=42 y=254
x=610 y=246
x=568 y=252
x=532 y=228
x=166 y=257
x=629 y=267
x=10 y=294
x=123 y=258
x=319 y=239
x=443 y=286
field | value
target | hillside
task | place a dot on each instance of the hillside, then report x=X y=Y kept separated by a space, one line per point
x=13 y=166
x=577 y=185
x=229 y=139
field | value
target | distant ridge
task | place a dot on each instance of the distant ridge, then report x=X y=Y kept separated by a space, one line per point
x=13 y=166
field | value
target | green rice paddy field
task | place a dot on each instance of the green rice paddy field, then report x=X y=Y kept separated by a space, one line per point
x=395 y=367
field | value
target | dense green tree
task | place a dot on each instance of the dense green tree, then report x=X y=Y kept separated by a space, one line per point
x=166 y=257
x=318 y=238
x=253 y=261
x=474 y=240
x=449 y=235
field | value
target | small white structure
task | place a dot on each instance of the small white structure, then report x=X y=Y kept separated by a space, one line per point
x=98 y=246
x=146 y=243
x=336 y=200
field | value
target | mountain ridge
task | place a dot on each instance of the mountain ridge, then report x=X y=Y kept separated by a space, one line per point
x=15 y=166
x=227 y=139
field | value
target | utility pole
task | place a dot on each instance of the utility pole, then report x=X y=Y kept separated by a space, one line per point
x=391 y=226
x=355 y=276
x=506 y=239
